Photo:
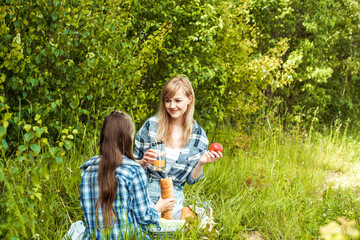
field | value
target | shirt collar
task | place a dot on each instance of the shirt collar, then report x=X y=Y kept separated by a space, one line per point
x=94 y=161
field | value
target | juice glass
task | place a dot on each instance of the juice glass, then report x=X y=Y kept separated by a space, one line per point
x=159 y=164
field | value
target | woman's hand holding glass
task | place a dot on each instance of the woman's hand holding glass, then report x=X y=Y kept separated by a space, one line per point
x=150 y=157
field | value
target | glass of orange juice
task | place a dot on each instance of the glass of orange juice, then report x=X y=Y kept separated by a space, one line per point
x=159 y=164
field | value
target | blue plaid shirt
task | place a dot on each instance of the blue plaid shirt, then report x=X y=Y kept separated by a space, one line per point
x=133 y=207
x=189 y=155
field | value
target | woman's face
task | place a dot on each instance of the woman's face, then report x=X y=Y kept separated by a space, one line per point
x=177 y=105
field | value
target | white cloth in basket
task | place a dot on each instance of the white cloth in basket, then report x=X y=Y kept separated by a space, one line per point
x=76 y=231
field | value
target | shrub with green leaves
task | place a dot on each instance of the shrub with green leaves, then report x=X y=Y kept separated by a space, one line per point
x=65 y=64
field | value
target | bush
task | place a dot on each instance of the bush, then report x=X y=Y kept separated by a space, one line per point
x=65 y=64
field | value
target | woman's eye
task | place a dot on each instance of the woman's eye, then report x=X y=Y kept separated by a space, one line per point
x=167 y=100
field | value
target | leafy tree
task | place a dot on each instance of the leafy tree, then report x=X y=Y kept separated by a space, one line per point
x=65 y=64
x=323 y=50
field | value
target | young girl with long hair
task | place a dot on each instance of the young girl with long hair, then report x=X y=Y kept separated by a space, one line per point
x=185 y=141
x=114 y=196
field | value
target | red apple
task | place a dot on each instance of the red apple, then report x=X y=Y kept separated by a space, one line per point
x=216 y=147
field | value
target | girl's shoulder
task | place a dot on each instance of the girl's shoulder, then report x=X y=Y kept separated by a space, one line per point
x=129 y=165
x=150 y=125
x=198 y=130
x=199 y=138
x=94 y=161
x=153 y=120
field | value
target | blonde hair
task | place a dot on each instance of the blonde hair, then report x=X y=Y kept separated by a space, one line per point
x=169 y=90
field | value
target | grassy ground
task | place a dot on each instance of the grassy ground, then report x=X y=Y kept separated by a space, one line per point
x=274 y=185
x=284 y=187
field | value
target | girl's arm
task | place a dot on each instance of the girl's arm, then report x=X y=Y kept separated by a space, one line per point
x=142 y=207
x=142 y=145
x=207 y=157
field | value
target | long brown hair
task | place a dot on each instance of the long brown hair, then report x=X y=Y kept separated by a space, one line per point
x=116 y=139
x=169 y=90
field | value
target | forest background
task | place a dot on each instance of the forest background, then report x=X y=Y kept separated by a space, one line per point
x=65 y=64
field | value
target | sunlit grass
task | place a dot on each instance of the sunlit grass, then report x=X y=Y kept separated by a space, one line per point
x=277 y=187
x=269 y=185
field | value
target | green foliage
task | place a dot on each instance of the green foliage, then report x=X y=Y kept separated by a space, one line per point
x=33 y=173
x=65 y=64
x=70 y=62
x=323 y=51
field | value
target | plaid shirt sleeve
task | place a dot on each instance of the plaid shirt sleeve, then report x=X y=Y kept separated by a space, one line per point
x=142 y=141
x=201 y=143
x=144 y=210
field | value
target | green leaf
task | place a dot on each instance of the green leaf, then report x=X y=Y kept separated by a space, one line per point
x=27 y=127
x=36 y=148
x=35 y=180
x=53 y=105
x=28 y=136
x=45 y=173
x=53 y=150
x=4 y=144
x=32 y=81
x=37 y=117
x=22 y=148
x=68 y=144
x=7 y=116
x=39 y=131
x=58 y=159
x=2 y=131
x=2 y=175
x=45 y=155
x=54 y=16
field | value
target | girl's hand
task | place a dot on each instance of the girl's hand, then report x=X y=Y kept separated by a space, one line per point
x=165 y=204
x=150 y=157
x=210 y=157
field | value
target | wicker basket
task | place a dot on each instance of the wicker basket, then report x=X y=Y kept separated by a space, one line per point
x=167 y=230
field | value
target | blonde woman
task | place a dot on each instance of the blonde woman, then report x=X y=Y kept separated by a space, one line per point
x=185 y=141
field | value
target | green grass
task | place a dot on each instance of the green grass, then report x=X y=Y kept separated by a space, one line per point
x=287 y=197
x=276 y=187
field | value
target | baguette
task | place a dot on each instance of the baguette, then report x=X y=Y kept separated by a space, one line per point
x=166 y=186
x=187 y=212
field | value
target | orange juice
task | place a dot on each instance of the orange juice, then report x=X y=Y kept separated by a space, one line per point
x=159 y=164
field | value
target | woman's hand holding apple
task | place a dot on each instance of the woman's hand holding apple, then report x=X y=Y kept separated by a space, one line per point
x=210 y=157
